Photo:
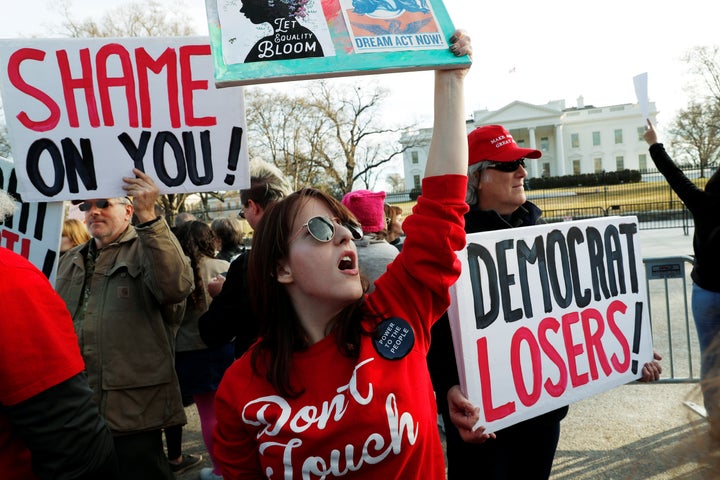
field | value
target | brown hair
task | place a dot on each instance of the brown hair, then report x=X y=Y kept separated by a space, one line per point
x=391 y=211
x=281 y=334
x=197 y=241
x=75 y=231
x=229 y=230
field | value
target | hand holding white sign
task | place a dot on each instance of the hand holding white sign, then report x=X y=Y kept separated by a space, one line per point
x=465 y=416
x=144 y=192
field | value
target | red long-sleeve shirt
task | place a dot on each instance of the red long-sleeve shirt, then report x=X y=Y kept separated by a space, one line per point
x=370 y=417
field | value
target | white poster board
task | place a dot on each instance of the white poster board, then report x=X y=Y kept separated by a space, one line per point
x=81 y=113
x=640 y=82
x=34 y=230
x=547 y=315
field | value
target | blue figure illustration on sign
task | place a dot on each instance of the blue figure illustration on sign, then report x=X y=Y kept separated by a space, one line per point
x=290 y=39
x=376 y=7
x=390 y=17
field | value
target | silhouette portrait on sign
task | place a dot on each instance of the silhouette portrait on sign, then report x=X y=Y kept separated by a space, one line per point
x=289 y=39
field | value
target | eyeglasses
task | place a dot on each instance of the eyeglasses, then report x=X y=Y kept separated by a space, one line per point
x=241 y=213
x=507 y=166
x=322 y=229
x=88 y=204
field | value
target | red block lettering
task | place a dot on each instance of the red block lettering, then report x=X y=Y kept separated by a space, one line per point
x=126 y=80
x=15 y=77
x=11 y=238
x=615 y=307
x=595 y=349
x=188 y=85
x=573 y=349
x=524 y=334
x=491 y=412
x=167 y=60
x=554 y=389
x=84 y=82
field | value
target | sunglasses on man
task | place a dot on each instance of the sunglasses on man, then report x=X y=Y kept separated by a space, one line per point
x=322 y=229
x=87 y=205
x=507 y=166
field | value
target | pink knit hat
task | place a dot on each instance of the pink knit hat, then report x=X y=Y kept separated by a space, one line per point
x=368 y=207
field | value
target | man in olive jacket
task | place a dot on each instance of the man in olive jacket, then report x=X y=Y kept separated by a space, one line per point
x=125 y=289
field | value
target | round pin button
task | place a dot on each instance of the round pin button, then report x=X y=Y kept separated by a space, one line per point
x=394 y=338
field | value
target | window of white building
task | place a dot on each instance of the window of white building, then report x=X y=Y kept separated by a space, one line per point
x=544 y=144
x=596 y=139
x=618 y=136
x=546 y=169
x=641 y=134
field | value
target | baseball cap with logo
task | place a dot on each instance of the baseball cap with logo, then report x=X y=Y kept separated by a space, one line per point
x=494 y=143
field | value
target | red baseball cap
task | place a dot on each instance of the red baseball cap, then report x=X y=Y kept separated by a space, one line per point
x=494 y=143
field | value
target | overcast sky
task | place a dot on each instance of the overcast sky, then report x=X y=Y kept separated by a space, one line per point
x=524 y=49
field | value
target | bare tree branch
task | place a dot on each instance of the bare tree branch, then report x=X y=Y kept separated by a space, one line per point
x=696 y=133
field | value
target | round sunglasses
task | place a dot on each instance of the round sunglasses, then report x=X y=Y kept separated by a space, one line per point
x=322 y=229
x=101 y=204
x=507 y=166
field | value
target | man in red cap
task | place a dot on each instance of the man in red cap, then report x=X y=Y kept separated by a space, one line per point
x=496 y=195
x=526 y=450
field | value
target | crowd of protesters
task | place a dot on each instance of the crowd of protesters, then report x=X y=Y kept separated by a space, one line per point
x=281 y=346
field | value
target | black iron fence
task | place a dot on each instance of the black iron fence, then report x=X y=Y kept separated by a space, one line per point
x=650 y=199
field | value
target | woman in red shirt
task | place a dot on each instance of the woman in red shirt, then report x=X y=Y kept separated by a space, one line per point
x=337 y=384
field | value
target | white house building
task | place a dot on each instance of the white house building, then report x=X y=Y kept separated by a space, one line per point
x=575 y=140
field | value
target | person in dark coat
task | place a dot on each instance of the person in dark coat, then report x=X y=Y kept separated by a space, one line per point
x=230 y=315
x=496 y=196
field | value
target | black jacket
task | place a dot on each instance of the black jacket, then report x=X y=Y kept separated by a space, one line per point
x=525 y=450
x=63 y=429
x=705 y=208
x=230 y=315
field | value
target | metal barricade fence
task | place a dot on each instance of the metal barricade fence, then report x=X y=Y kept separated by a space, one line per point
x=674 y=335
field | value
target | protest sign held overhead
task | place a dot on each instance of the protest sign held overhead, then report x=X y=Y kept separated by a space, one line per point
x=35 y=229
x=81 y=113
x=546 y=315
x=260 y=41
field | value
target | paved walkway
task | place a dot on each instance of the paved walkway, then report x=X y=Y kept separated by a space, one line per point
x=637 y=431
x=640 y=431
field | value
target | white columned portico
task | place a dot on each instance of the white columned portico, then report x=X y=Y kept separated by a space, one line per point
x=560 y=160
x=532 y=165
